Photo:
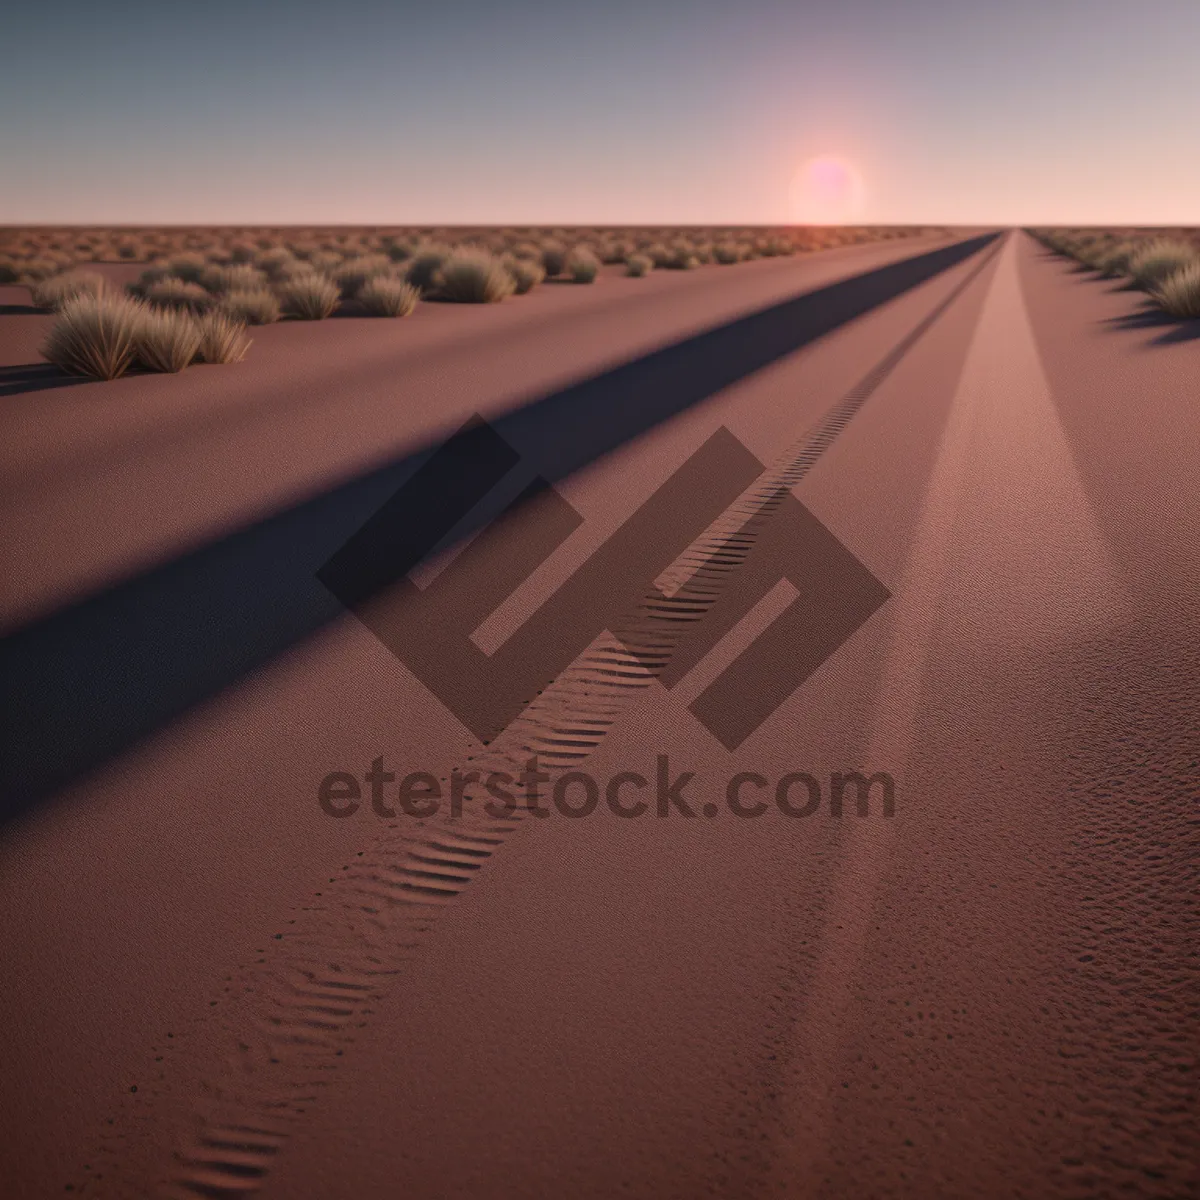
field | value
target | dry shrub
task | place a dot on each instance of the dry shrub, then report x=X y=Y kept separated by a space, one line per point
x=167 y=339
x=310 y=297
x=173 y=292
x=527 y=273
x=40 y=267
x=639 y=265
x=251 y=306
x=188 y=267
x=554 y=258
x=277 y=263
x=55 y=291
x=583 y=266
x=222 y=338
x=387 y=296
x=241 y=252
x=324 y=261
x=474 y=278
x=398 y=250
x=727 y=253
x=1114 y=260
x=238 y=277
x=425 y=263
x=9 y=272
x=1179 y=293
x=95 y=336
x=355 y=272
x=1157 y=260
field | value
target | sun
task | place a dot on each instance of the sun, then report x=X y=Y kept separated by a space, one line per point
x=826 y=191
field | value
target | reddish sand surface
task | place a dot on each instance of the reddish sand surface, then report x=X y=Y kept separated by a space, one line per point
x=214 y=988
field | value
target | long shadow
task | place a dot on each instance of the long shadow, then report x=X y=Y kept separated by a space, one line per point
x=1174 y=329
x=21 y=310
x=89 y=681
x=35 y=377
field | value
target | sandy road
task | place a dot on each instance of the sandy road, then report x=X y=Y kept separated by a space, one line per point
x=990 y=993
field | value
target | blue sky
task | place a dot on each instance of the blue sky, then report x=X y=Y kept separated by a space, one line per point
x=529 y=112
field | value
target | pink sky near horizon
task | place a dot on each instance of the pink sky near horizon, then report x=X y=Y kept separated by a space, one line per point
x=1032 y=113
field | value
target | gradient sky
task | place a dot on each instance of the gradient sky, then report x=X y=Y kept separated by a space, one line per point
x=609 y=111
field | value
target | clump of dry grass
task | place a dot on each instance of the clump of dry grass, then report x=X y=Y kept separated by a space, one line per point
x=35 y=269
x=582 y=266
x=236 y=277
x=95 y=336
x=554 y=258
x=727 y=253
x=387 y=296
x=1114 y=259
x=1157 y=260
x=1179 y=292
x=188 y=267
x=222 y=338
x=251 y=306
x=309 y=297
x=425 y=263
x=639 y=265
x=173 y=292
x=54 y=291
x=681 y=257
x=166 y=339
x=355 y=272
x=474 y=278
x=275 y=262
x=527 y=273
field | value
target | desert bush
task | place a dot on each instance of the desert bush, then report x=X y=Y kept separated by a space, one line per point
x=638 y=265
x=474 y=279
x=188 y=267
x=325 y=262
x=1179 y=292
x=554 y=258
x=681 y=257
x=276 y=263
x=398 y=250
x=241 y=252
x=166 y=339
x=155 y=272
x=657 y=253
x=251 y=306
x=222 y=338
x=530 y=250
x=726 y=253
x=387 y=296
x=583 y=266
x=9 y=272
x=130 y=251
x=527 y=273
x=54 y=291
x=425 y=263
x=1154 y=262
x=310 y=297
x=95 y=336
x=355 y=272
x=35 y=269
x=1114 y=259
x=238 y=277
x=173 y=292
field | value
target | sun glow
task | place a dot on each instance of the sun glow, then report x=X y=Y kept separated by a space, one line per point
x=826 y=191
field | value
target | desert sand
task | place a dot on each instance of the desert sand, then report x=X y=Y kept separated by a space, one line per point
x=220 y=990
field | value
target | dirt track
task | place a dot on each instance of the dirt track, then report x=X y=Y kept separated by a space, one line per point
x=991 y=993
